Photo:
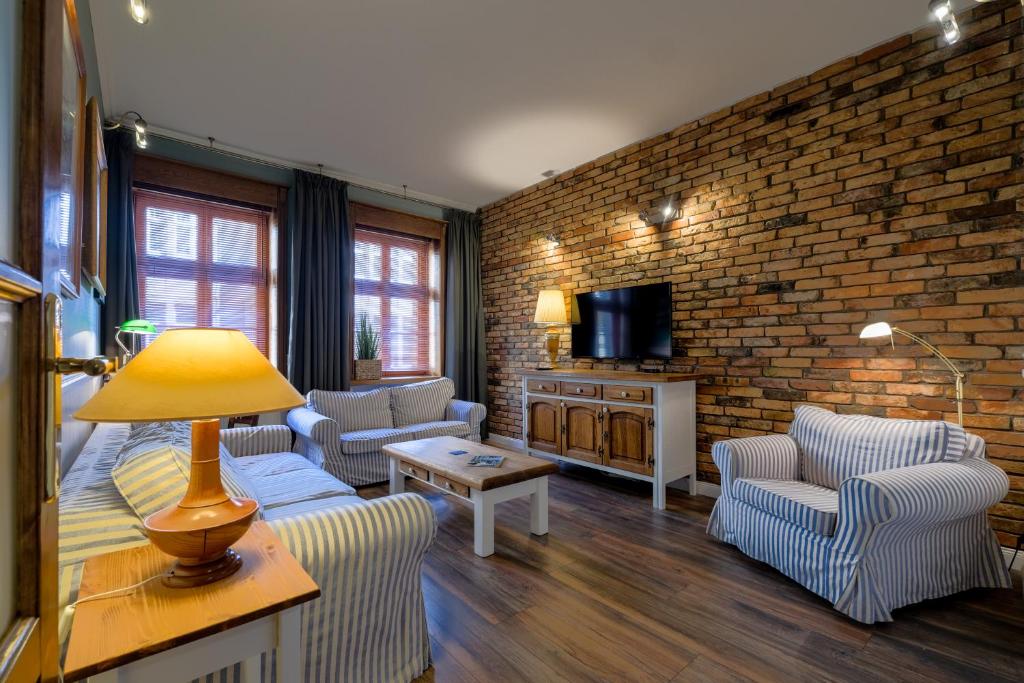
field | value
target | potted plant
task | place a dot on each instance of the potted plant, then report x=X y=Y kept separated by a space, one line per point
x=367 y=350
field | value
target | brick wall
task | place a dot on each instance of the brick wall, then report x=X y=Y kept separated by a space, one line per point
x=887 y=186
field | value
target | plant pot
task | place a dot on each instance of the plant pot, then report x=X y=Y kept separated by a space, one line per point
x=368 y=369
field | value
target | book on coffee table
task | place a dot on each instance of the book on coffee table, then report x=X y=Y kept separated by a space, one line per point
x=486 y=461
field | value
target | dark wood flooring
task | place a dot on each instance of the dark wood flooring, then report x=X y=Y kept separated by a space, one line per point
x=620 y=592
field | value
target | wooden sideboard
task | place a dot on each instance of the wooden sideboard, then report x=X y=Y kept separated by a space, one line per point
x=635 y=424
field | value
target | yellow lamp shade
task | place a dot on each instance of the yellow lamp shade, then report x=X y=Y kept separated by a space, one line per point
x=551 y=308
x=192 y=374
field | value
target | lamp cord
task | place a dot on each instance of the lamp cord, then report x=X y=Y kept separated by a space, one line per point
x=115 y=592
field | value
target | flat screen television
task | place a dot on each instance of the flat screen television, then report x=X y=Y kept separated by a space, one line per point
x=628 y=323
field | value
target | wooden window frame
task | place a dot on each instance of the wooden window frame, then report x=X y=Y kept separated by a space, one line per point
x=379 y=219
x=167 y=175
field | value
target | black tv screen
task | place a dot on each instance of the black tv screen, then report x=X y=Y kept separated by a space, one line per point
x=627 y=323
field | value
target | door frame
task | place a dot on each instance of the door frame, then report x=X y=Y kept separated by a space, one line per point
x=30 y=645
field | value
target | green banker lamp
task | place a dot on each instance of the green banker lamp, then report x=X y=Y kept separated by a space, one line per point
x=133 y=327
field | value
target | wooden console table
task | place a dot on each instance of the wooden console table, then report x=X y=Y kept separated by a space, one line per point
x=634 y=424
x=157 y=634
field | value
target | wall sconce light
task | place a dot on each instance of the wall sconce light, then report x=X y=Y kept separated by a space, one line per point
x=135 y=120
x=942 y=10
x=668 y=212
x=553 y=239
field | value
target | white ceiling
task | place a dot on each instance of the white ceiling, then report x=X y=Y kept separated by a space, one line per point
x=465 y=100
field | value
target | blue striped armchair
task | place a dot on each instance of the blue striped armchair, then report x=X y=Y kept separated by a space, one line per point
x=871 y=514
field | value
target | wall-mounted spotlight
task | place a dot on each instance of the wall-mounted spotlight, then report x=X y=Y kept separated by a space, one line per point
x=135 y=120
x=552 y=238
x=942 y=10
x=667 y=213
x=139 y=11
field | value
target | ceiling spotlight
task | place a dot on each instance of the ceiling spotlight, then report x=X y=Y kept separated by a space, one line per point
x=135 y=120
x=139 y=11
x=942 y=10
x=141 y=139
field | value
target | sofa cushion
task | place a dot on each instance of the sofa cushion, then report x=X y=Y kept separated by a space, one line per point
x=284 y=478
x=811 y=507
x=421 y=402
x=151 y=470
x=354 y=410
x=834 y=447
x=370 y=440
x=440 y=428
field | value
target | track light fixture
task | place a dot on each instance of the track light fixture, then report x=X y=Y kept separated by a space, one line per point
x=942 y=10
x=139 y=11
x=135 y=120
x=668 y=213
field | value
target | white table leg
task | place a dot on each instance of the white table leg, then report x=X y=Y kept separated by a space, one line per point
x=659 y=493
x=483 y=523
x=288 y=660
x=539 y=508
x=397 y=478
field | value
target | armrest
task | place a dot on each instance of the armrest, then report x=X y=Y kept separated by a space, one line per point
x=243 y=441
x=314 y=426
x=776 y=456
x=926 y=494
x=466 y=411
x=367 y=558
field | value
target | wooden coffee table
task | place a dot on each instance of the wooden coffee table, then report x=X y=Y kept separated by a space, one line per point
x=431 y=461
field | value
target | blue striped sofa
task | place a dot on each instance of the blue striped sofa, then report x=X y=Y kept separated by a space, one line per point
x=871 y=514
x=366 y=555
x=345 y=431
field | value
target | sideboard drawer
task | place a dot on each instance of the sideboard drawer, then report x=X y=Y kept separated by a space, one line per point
x=449 y=485
x=581 y=389
x=542 y=386
x=413 y=470
x=616 y=392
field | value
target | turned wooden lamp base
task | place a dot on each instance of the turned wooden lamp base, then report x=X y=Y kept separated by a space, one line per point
x=200 y=529
x=552 y=338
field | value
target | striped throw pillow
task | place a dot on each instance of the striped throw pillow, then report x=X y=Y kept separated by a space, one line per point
x=152 y=469
x=834 y=447
x=415 y=404
x=353 y=410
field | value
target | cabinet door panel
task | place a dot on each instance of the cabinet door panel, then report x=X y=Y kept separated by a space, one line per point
x=582 y=431
x=629 y=438
x=544 y=424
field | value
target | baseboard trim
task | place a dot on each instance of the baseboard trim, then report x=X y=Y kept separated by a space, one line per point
x=505 y=442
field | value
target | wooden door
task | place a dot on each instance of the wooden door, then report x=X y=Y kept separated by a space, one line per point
x=31 y=284
x=629 y=438
x=544 y=424
x=582 y=432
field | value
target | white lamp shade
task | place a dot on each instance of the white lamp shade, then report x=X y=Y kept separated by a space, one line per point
x=875 y=330
x=551 y=308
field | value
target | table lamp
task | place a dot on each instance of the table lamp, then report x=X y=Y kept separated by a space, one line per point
x=883 y=329
x=551 y=311
x=134 y=328
x=196 y=374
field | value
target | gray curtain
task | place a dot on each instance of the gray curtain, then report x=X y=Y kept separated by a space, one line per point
x=122 y=300
x=322 y=254
x=465 y=353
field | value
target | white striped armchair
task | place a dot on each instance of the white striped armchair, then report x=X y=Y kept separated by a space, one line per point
x=871 y=514
x=344 y=432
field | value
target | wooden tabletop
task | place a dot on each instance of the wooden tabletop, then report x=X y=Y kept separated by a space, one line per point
x=435 y=455
x=612 y=375
x=110 y=632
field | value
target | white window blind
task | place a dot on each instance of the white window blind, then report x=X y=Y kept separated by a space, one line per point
x=396 y=286
x=202 y=263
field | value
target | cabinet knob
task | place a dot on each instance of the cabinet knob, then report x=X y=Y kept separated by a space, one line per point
x=623 y=394
x=447 y=484
x=579 y=390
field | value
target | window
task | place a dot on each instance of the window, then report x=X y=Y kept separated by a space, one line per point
x=397 y=284
x=203 y=264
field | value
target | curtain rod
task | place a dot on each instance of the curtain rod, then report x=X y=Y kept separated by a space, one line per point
x=289 y=167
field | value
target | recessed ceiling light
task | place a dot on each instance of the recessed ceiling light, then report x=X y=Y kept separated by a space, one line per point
x=139 y=11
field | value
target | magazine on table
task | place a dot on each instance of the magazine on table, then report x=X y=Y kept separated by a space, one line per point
x=486 y=461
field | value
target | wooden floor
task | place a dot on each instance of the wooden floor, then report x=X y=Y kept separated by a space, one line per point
x=620 y=592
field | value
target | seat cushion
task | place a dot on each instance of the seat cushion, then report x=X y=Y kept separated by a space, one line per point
x=370 y=440
x=421 y=402
x=834 y=447
x=811 y=507
x=152 y=468
x=439 y=428
x=354 y=410
x=283 y=479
